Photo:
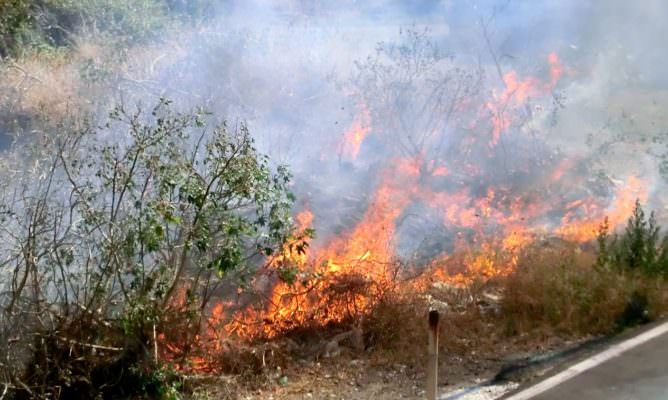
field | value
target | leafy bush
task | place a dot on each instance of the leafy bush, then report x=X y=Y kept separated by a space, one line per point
x=29 y=25
x=114 y=237
x=123 y=21
x=15 y=20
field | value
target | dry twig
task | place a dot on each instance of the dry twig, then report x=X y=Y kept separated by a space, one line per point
x=90 y=345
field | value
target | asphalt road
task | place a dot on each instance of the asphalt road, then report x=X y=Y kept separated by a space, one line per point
x=634 y=369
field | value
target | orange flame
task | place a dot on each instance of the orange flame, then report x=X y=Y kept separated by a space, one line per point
x=353 y=137
x=343 y=278
x=585 y=228
x=516 y=93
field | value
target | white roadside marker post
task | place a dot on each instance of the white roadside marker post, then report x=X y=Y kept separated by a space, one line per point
x=432 y=361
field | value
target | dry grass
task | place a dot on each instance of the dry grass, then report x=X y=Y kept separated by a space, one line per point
x=51 y=86
x=554 y=296
x=37 y=87
x=559 y=292
x=396 y=331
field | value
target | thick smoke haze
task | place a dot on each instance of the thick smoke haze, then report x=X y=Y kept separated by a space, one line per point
x=502 y=95
x=473 y=157
x=288 y=69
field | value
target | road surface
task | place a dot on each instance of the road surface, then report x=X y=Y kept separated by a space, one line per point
x=636 y=368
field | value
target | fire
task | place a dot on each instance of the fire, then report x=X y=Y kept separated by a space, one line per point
x=290 y=253
x=440 y=171
x=353 y=138
x=359 y=260
x=561 y=169
x=556 y=69
x=409 y=166
x=342 y=277
x=585 y=228
x=304 y=219
x=368 y=248
x=517 y=91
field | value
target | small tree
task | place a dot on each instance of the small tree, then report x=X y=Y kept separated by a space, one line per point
x=662 y=259
x=603 y=239
x=640 y=247
x=417 y=97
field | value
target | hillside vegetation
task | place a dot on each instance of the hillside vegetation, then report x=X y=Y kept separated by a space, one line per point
x=51 y=25
x=121 y=224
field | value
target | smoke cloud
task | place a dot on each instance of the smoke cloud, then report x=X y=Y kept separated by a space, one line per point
x=503 y=112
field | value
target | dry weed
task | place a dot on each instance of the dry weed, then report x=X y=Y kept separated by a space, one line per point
x=51 y=86
x=560 y=292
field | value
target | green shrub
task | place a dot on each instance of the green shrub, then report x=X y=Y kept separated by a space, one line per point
x=15 y=20
x=639 y=248
x=27 y=26
x=118 y=235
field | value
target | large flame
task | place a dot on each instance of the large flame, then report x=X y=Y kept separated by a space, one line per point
x=340 y=278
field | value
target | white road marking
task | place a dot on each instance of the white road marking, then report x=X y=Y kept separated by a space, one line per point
x=590 y=363
x=487 y=392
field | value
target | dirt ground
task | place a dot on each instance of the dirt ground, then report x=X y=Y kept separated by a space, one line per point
x=355 y=377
